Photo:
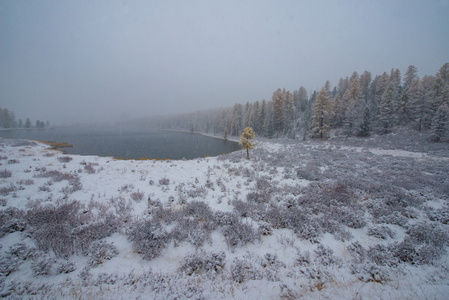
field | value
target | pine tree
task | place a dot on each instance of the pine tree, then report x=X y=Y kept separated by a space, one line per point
x=225 y=134
x=262 y=118
x=440 y=124
x=278 y=110
x=410 y=75
x=365 y=125
x=246 y=140
x=289 y=114
x=237 y=119
x=322 y=115
x=28 y=123
x=387 y=117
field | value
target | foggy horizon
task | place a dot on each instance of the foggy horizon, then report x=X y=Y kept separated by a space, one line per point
x=102 y=61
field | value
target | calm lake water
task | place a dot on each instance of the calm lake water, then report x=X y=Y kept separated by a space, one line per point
x=129 y=143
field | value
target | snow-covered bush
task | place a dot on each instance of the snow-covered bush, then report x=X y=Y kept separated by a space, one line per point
x=310 y=172
x=148 y=238
x=137 y=196
x=100 y=251
x=265 y=228
x=42 y=265
x=26 y=182
x=12 y=225
x=64 y=159
x=325 y=256
x=8 y=264
x=357 y=252
x=200 y=211
x=192 y=230
x=381 y=232
x=164 y=181
x=225 y=218
x=52 y=227
x=425 y=243
x=382 y=255
x=370 y=272
x=5 y=173
x=239 y=233
x=11 y=259
x=303 y=258
x=89 y=168
x=441 y=214
x=4 y=191
x=85 y=235
x=244 y=269
x=13 y=161
x=244 y=209
x=65 y=267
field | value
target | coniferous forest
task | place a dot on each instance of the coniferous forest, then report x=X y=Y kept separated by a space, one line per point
x=359 y=105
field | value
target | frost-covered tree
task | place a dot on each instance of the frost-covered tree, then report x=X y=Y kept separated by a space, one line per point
x=439 y=129
x=388 y=107
x=289 y=114
x=365 y=125
x=322 y=115
x=237 y=119
x=278 y=110
x=410 y=75
x=246 y=140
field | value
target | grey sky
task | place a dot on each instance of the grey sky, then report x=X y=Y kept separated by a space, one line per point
x=68 y=61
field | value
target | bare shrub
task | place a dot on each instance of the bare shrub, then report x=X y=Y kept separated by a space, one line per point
x=89 y=168
x=13 y=161
x=192 y=230
x=243 y=270
x=164 y=181
x=325 y=256
x=200 y=262
x=26 y=182
x=239 y=233
x=381 y=232
x=64 y=159
x=65 y=267
x=424 y=244
x=4 y=191
x=5 y=173
x=42 y=265
x=85 y=235
x=148 y=238
x=137 y=196
x=52 y=227
x=100 y=251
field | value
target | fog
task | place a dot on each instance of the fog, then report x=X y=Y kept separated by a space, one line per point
x=99 y=61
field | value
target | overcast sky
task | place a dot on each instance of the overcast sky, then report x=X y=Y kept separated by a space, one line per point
x=68 y=61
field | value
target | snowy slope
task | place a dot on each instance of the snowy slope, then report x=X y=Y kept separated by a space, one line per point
x=312 y=220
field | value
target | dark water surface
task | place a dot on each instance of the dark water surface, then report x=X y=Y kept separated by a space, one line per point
x=129 y=143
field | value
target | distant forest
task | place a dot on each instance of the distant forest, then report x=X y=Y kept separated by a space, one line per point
x=359 y=105
x=8 y=120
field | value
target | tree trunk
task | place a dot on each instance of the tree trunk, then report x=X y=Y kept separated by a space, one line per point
x=247 y=153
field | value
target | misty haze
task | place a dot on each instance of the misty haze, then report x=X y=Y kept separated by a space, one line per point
x=224 y=149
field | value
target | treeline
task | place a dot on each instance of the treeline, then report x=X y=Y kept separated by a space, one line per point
x=360 y=105
x=8 y=120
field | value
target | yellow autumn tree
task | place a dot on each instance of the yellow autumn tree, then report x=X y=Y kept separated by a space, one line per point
x=246 y=140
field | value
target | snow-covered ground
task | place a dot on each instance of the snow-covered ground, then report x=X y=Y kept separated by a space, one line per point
x=298 y=220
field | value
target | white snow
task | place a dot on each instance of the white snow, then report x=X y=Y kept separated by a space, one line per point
x=115 y=180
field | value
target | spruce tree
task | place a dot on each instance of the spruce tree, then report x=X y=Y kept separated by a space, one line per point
x=440 y=124
x=322 y=115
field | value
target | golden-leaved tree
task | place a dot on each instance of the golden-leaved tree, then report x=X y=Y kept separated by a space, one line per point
x=246 y=140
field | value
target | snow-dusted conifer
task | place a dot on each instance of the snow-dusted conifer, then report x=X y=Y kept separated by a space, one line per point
x=322 y=113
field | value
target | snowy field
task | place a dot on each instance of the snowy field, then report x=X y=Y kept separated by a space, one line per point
x=340 y=219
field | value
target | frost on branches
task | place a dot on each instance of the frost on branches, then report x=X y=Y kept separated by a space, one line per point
x=246 y=140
